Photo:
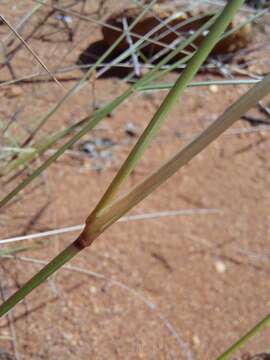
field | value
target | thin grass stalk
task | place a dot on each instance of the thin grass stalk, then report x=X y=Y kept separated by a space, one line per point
x=242 y=341
x=172 y=97
x=167 y=86
x=41 y=276
x=111 y=214
x=23 y=22
x=44 y=145
x=30 y=50
x=40 y=147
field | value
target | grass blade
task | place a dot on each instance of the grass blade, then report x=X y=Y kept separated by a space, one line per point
x=257 y=328
x=166 y=86
x=31 y=51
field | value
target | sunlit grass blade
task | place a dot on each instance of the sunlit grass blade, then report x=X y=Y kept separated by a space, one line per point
x=24 y=20
x=167 y=86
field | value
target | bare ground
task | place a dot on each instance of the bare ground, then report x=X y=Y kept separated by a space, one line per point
x=181 y=287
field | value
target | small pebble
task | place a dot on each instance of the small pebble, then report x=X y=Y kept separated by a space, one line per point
x=130 y=129
x=220 y=267
x=213 y=88
x=196 y=340
x=65 y=18
x=93 y=290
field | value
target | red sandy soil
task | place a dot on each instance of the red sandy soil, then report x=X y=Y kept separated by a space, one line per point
x=170 y=286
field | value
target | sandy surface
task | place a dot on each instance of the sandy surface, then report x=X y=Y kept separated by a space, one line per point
x=182 y=287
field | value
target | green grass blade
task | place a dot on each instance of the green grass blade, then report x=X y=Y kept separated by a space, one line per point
x=40 y=277
x=255 y=330
x=167 y=86
x=40 y=148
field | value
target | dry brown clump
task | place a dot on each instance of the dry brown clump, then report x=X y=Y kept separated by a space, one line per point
x=159 y=14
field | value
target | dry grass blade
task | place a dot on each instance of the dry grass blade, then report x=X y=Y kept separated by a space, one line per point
x=31 y=51
x=139 y=217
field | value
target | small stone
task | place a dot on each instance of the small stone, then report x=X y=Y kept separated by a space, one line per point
x=130 y=129
x=196 y=340
x=93 y=290
x=64 y=18
x=213 y=88
x=13 y=91
x=102 y=143
x=89 y=148
x=220 y=266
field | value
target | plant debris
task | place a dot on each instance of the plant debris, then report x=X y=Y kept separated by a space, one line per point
x=172 y=30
